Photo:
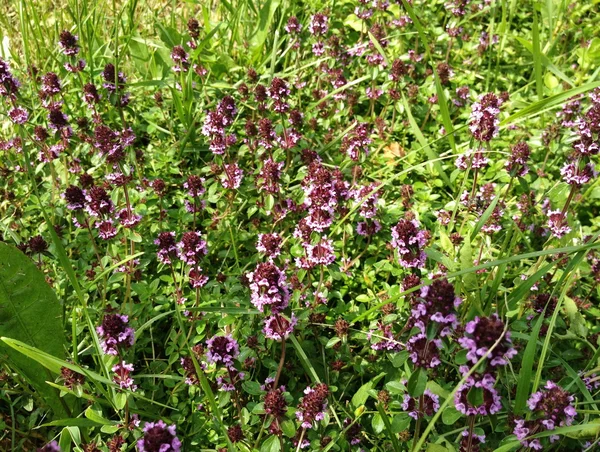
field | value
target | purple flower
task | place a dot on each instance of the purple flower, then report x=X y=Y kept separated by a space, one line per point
x=191 y=248
x=474 y=440
x=554 y=404
x=424 y=352
x=431 y=404
x=516 y=164
x=386 y=340
x=159 y=438
x=181 y=59
x=106 y=229
x=98 y=202
x=476 y=158
x=9 y=85
x=489 y=398
x=484 y=120
x=313 y=405
x=68 y=43
x=409 y=242
x=357 y=141
x=481 y=334
x=166 y=247
x=222 y=350
x=269 y=244
x=129 y=219
x=319 y=254
x=194 y=186
x=115 y=332
x=557 y=223
x=269 y=287
x=232 y=176
x=279 y=328
x=318 y=24
x=552 y=407
x=367 y=197
x=368 y=228
x=197 y=278
x=50 y=447
x=90 y=94
x=576 y=173
x=18 y=115
x=122 y=376
x=293 y=26
x=50 y=84
x=269 y=176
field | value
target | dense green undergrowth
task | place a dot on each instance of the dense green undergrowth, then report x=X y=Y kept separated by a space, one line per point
x=281 y=226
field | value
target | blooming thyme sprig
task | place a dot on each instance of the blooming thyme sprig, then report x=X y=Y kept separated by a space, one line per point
x=269 y=287
x=158 y=437
x=409 y=242
x=437 y=303
x=487 y=403
x=552 y=407
x=484 y=121
x=313 y=405
x=430 y=405
x=222 y=351
x=481 y=334
x=122 y=376
x=278 y=327
x=115 y=332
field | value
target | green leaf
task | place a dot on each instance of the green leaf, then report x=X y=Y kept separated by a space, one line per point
x=547 y=103
x=431 y=154
x=31 y=313
x=450 y=415
x=524 y=381
x=288 y=428
x=417 y=383
x=96 y=418
x=377 y=424
x=388 y=427
x=271 y=445
x=362 y=394
x=263 y=28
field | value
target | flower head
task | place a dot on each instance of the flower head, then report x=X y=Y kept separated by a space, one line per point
x=115 y=332
x=222 y=350
x=313 y=405
x=484 y=121
x=481 y=334
x=409 y=242
x=50 y=447
x=269 y=244
x=191 y=249
x=68 y=43
x=122 y=376
x=278 y=327
x=269 y=287
x=431 y=404
x=478 y=396
x=159 y=438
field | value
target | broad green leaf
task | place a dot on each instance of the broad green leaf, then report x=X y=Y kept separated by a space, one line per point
x=271 y=444
x=31 y=313
x=417 y=383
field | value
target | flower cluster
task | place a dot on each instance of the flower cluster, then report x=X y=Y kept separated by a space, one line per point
x=115 y=332
x=481 y=334
x=484 y=121
x=222 y=351
x=552 y=407
x=269 y=287
x=158 y=437
x=313 y=405
x=409 y=241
